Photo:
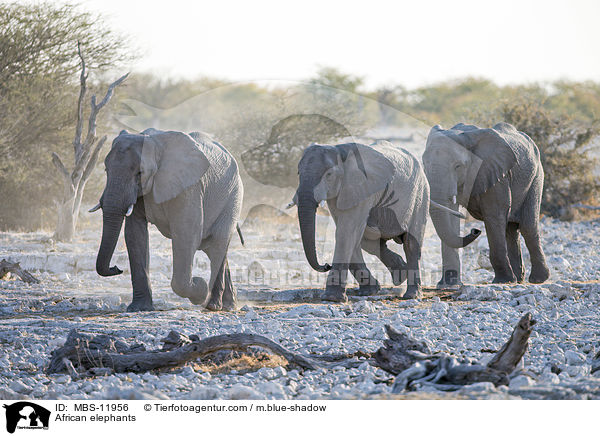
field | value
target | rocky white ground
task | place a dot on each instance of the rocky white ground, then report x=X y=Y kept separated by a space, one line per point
x=278 y=292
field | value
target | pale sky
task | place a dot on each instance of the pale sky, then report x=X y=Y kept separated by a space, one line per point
x=410 y=43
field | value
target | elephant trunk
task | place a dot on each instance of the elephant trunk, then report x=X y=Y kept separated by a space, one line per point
x=111 y=228
x=307 y=209
x=442 y=221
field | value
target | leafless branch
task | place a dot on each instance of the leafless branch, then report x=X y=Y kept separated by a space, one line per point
x=93 y=159
x=60 y=166
x=82 y=91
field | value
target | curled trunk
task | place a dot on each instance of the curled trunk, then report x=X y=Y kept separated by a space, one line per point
x=307 y=209
x=445 y=227
x=111 y=228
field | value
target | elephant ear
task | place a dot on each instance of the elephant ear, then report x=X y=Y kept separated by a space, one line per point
x=493 y=147
x=171 y=163
x=366 y=171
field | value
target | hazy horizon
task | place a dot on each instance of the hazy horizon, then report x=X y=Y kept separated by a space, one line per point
x=410 y=45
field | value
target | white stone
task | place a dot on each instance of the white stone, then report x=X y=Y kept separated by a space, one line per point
x=574 y=357
x=241 y=392
x=520 y=381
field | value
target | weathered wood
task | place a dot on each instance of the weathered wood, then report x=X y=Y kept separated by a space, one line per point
x=400 y=351
x=86 y=352
x=14 y=268
x=415 y=366
x=511 y=353
x=410 y=360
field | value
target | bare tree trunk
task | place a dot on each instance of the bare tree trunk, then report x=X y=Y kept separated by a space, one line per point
x=86 y=157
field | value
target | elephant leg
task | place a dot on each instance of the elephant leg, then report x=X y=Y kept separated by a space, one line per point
x=514 y=251
x=496 y=234
x=367 y=283
x=451 y=269
x=531 y=234
x=136 y=239
x=393 y=261
x=495 y=205
x=412 y=249
x=350 y=226
x=182 y=282
x=222 y=292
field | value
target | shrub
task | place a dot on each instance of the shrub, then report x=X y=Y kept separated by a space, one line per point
x=566 y=152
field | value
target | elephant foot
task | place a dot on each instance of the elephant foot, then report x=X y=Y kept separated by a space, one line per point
x=366 y=290
x=141 y=306
x=198 y=292
x=498 y=279
x=230 y=302
x=539 y=276
x=334 y=293
x=413 y=293
x=450 y=280
x=214 y=306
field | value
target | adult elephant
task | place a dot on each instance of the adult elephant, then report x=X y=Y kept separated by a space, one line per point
x=497 y=175
x=374 y=194
x=190 y=188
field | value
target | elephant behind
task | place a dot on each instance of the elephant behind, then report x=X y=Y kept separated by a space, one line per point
x=189 y=187
x=374 y=194
x=497 y=175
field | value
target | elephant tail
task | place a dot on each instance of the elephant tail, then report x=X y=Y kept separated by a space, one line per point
x=239 y=230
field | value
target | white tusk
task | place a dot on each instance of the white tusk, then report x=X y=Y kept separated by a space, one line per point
x=454 y=199
x=129 y=210
x=95 y=208
x=444 y=208
x=290 y=205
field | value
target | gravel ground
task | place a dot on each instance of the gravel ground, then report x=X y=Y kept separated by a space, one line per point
x=277 y=292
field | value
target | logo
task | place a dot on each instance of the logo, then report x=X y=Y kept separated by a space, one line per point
x=26 y=415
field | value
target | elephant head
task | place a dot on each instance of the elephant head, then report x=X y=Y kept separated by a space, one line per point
x=461 y=164
x=154 y=163
x=348 y=173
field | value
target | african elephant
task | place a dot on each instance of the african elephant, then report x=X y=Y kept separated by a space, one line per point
x=190 y=188
x=497 y=175
x=374 y=194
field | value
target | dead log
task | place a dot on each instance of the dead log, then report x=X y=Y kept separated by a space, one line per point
x=415 y=366
x=14 y=268
x=511 y=353
x=410 y=360
x=85 y=352
x=400 y=351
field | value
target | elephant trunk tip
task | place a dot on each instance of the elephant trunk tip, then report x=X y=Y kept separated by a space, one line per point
x=323 y=268
x=474 y=234
x=107 y=272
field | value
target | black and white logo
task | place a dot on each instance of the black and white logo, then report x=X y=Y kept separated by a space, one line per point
x=26 y=415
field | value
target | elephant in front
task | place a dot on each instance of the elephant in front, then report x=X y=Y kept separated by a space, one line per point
x=497 y=175
x=374 y=194
x=189 y=187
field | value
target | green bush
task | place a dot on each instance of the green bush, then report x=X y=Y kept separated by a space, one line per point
x=569 y=163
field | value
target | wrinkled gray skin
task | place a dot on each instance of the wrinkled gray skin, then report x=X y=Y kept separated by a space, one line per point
x=190 y=188
x=374 y=194
x=497 y=175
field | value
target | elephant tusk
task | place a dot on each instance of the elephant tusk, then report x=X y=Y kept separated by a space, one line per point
x=454 y=199
x=129 y=210
x=447 y=209
x=95 y=208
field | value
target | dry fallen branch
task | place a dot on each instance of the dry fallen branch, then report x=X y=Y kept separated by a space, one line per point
x=414 y=365
x=412 y=361
x=85 y=352
x=14 y=268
